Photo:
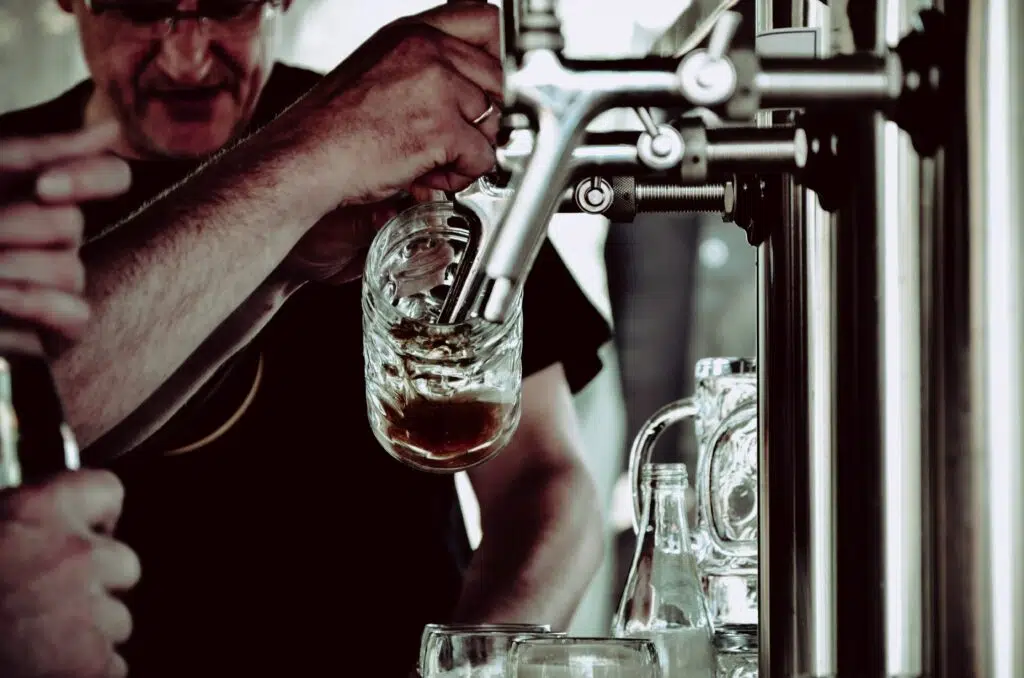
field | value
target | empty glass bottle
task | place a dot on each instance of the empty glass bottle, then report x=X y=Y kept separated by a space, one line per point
x=663 y=600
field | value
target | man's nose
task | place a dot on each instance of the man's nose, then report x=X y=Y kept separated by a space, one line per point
x=185 y=52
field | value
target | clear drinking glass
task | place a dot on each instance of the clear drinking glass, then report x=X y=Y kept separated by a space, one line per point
x=583 y=658
x=471 y=650
x=440 y=398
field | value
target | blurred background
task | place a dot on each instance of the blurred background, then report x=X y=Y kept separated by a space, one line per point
x=675 y=288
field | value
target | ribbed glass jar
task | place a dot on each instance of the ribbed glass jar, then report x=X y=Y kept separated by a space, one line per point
x=440 y=398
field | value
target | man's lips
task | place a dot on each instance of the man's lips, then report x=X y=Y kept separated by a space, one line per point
x=188 y=104
x=186 y=94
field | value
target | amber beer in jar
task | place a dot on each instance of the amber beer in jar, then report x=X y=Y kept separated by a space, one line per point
x=440 y=397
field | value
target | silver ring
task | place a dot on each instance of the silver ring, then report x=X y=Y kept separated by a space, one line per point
x=483 y=116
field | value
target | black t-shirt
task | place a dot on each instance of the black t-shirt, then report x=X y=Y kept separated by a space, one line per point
x=293 y=544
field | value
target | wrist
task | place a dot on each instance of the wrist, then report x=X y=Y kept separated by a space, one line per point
x=309 y=152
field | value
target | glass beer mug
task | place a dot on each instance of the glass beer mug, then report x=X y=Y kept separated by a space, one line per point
x=736 y=650
x=440 y=398
x=724 y=412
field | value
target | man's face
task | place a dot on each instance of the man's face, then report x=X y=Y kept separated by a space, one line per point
x=182 y=88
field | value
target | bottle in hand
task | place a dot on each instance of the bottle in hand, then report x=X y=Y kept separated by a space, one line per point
x=35 y=440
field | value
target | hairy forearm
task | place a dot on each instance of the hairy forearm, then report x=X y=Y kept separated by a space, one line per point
x=240 y=328
x=163 y=281
x=539 y=552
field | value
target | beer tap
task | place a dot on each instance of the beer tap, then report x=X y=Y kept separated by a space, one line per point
x=557 y=97
x=621 y=174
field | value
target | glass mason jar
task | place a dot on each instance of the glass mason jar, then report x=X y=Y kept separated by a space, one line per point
x=440 y=398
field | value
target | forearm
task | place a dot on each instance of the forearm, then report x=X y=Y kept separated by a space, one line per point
x=539 y=552
x=235 y=333
x=163 y=281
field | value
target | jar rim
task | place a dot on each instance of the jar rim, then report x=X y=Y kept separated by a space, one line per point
x=373 y=292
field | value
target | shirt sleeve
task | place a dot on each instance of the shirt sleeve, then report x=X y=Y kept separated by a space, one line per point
x=560 y=325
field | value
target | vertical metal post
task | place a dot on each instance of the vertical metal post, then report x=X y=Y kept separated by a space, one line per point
x=991 y=526
x=973 y=289
x=901 y=215
x=841 y=506
x=797 y=364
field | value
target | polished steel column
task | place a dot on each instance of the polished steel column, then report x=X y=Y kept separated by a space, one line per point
x=842 y=499
x=989 y=526
x=880 y=527
x=905 y=191
x=797 y=370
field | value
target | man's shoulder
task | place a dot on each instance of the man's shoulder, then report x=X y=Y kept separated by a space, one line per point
x=61 y=114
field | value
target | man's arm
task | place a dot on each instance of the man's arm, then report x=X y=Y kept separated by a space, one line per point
x=231 y=336
x=543 y=538
x=162 y=282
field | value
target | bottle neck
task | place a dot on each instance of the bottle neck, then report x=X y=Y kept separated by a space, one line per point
x=665 y=512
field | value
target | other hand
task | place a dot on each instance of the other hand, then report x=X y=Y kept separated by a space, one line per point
x=402 y=112
x=42 y=180
x=58 y=569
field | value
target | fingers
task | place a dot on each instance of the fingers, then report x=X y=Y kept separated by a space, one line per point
x=59 y=270
x=472 y=103
x=476 y=65
x=117 y=566
x=82 y=501
x=31 y=154
x=31 y=225
x=112 y=618
x=490 y=127
x=474 y=22
x=61 y=312
x=84 y=179
x=117 y=667
x=90 y=499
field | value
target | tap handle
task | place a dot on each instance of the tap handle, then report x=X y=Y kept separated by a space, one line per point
x=723 y=34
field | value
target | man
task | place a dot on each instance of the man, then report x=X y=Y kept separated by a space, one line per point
x=276 y=535
x=59 y=567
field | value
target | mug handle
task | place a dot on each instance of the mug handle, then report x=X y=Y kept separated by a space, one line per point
x=739 y=417
x=643 y=444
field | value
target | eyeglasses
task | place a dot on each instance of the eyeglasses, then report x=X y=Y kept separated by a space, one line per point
x=156 y=19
